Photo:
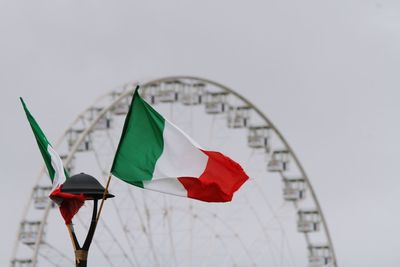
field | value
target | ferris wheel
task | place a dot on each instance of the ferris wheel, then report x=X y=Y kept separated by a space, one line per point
x=275 y=219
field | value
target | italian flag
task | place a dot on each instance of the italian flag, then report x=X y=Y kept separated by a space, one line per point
x=155 y=154
x=69 y=204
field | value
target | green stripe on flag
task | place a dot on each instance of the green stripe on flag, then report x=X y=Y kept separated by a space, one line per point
x=41 y=140
x=141 y=143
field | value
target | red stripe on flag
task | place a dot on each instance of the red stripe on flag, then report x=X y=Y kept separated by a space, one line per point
x=220 y=179
x=69 y=204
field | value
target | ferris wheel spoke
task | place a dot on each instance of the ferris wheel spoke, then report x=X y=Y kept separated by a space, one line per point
x=123 y=226
x=115 y=241
x=276 y=219
x=221 y=240
x=264 y=231
x=237 y=236
x=48 y=259
x=149 y=228
x=191 y=229
x=227 y=226
x=143 y=226
x=211 y=243
x=168 y=210
x=53 y=255
x=273 y=212
x=210 y=137
x=110 y=139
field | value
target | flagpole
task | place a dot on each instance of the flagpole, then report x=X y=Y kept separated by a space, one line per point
x=73 y=238
x=104 y=198
x=109 y=177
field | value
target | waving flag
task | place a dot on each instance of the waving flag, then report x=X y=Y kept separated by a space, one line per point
x=155 y=154
x=69 y=203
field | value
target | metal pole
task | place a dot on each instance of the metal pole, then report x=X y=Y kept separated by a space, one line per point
x=103 y=198
x=81 y=253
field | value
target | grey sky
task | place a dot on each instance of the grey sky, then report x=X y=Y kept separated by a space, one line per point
x=325 y=72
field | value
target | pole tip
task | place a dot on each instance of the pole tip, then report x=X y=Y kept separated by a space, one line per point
x=22 y=102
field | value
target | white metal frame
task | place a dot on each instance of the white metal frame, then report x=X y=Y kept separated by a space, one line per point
x=127 y=93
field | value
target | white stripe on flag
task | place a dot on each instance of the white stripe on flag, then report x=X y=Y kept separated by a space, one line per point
x=166 y=185
x=56 y=163
x=180 y=157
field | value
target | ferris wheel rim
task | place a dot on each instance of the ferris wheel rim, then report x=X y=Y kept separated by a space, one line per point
x=281 y=137
x=129 y=92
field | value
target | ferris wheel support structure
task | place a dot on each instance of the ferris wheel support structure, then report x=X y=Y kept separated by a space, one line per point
x=74 y=149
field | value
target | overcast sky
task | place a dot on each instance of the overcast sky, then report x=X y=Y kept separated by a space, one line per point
x=326 y=73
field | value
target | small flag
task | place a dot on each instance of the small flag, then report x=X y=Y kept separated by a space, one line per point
x=155 y=154
x=69 y=203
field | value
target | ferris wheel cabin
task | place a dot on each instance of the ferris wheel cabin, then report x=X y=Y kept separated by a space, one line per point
x=279 y=161
x=259 y=137
x=41 y=196
x=192 y=94
x=215 y=103
x=308 y=221
x=320 y=256
x=29 y=232
x=238 y=117
x=294 y=189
